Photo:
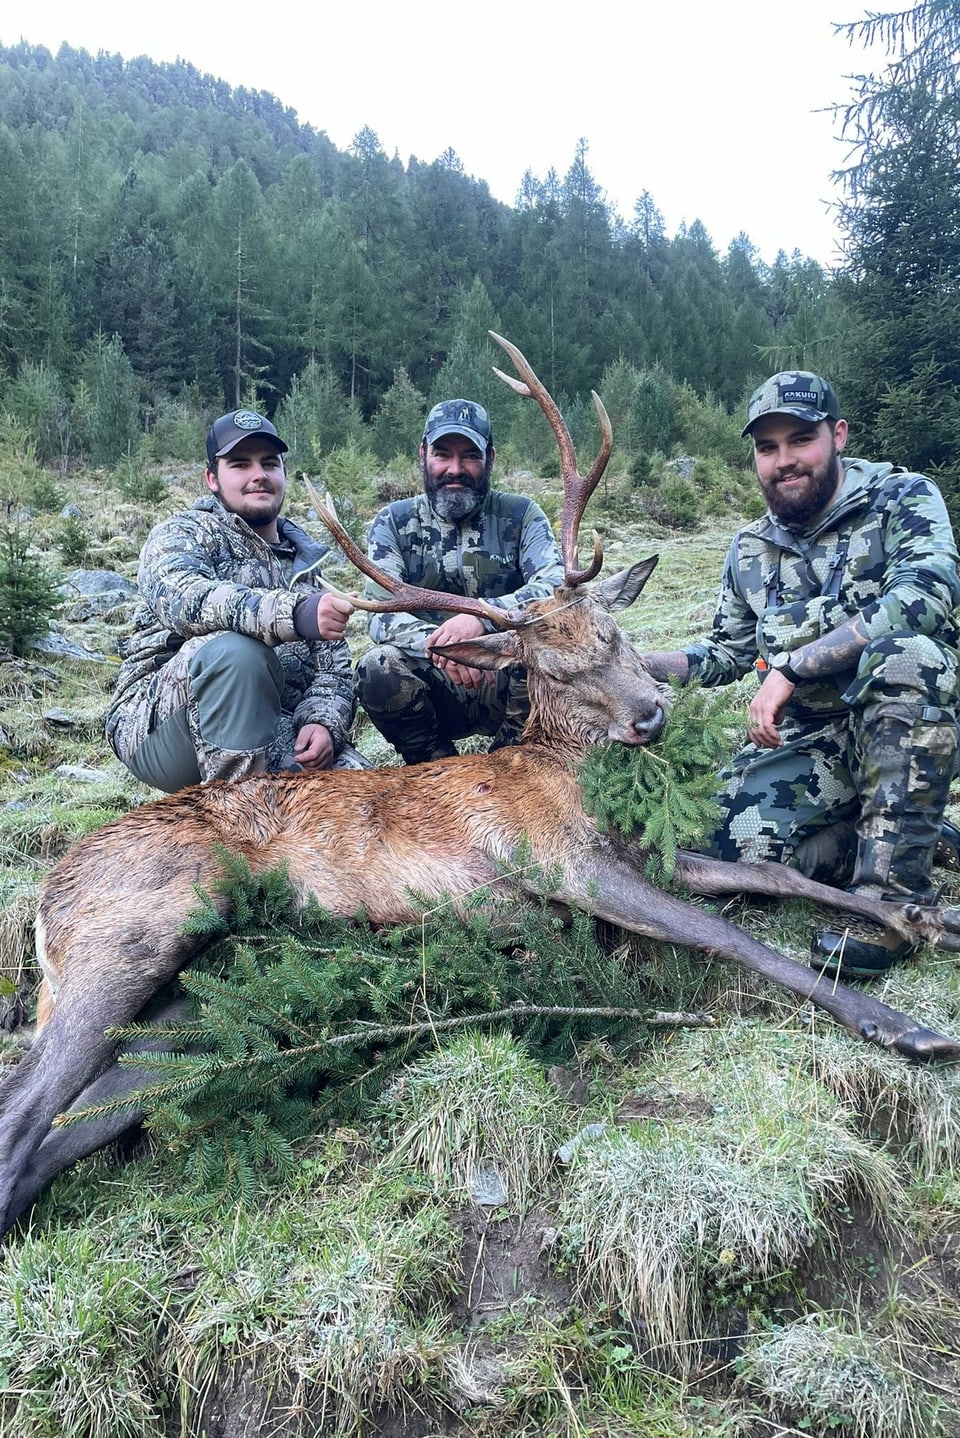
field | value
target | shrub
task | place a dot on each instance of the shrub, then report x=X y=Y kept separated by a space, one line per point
x=29 y=596
x=135 y=482
x=19 y=468
x=720 y=487
x=42 y=494
x=675 y=503
x=36 y=398
x=72 y=542
x=641 y=470
x=177 y=429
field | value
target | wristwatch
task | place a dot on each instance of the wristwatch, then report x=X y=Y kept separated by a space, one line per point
x=781 y=663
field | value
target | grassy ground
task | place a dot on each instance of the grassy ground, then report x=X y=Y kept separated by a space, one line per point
x=739 y=1231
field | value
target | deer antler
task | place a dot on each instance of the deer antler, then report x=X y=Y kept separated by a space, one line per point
x=577 y=488
x=404 y=597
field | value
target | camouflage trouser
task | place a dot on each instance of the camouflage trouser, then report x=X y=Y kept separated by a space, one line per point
x=855 y=796
x=214 y=711
x=421 y=712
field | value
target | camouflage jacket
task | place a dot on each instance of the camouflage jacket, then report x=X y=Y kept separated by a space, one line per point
x=506 y=554
x=884 y=550
x=206 y=570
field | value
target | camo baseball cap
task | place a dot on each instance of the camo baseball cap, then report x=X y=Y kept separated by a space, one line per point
x=227 y=432
x=459 y=416
x=794 y=391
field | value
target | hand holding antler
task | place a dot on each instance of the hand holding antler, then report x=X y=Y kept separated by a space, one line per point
x=454 y=631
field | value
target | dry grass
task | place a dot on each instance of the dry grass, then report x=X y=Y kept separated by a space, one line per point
x=479 y=1119
x=734 y=1188
x=836 y=1383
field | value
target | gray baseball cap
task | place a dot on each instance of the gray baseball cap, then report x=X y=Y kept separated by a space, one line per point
x=227 y=432
x=459 y=416
x=794 y=391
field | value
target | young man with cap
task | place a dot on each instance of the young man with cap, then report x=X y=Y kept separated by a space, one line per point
x=842 y=598
x=460 y=536
x=237 y=663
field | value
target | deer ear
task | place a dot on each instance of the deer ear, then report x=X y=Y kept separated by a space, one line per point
x=620 y=590
x=487 y=651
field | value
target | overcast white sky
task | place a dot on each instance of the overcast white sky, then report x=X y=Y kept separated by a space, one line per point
x=715 y=108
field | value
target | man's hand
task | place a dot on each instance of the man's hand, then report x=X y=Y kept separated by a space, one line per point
x=314 y=746
x=766 y=710
x=332 y=615
x=322 y=616
x=452 y=631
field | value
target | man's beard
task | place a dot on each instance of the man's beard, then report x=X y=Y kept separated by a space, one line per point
x=798 y=507
x=257 y=515
x=454 y=503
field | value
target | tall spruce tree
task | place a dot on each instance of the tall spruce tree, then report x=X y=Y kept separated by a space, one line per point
x=901 y=222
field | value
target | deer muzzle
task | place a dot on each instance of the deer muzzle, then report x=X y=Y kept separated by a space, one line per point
x=641 y=731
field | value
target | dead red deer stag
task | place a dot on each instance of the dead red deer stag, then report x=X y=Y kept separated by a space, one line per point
x=112 y=911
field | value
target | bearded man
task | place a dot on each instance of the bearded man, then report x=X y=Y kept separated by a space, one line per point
x=460 y=536
x=842 y=598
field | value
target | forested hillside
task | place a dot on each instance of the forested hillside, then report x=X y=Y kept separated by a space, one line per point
x=174 y=242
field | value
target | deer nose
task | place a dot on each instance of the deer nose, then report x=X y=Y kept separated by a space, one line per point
x=647 y=729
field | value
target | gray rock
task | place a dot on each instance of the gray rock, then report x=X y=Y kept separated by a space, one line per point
x=567 y=1150
x=99 y=582
x=684 y=466
x=81 y=774
x=487 y=1186
x=71 y=511
x=61 y=647
x=60 y=718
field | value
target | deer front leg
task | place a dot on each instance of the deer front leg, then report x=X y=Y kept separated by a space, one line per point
x=604 y=883
x=914 y=922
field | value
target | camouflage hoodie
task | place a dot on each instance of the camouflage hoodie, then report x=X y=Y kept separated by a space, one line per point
x=884 y=550
x=206 y=570
x=505 y=554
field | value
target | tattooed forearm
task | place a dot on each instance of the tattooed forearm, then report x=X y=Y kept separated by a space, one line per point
x=833 y=652
x=668 y=666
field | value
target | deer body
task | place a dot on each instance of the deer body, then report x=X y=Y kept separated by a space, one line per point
x=112 y=910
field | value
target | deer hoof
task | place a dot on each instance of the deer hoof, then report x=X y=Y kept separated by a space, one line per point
x=926 y=1046
x=950 y=919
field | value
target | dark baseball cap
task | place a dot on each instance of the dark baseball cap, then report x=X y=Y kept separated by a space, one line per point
x=459 y=416
x=227 y=432
x=793 y=391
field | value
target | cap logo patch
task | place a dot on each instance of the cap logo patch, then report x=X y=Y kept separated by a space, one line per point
x=246 y=419
x=800 y=396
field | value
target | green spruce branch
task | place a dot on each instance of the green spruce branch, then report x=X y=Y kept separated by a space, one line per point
x=661 y=797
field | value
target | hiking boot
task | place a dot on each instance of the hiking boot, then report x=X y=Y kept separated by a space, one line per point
x=858 y=950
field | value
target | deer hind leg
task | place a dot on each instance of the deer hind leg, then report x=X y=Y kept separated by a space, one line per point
x=911 y=921
x=65 y=1146
x=111 y=949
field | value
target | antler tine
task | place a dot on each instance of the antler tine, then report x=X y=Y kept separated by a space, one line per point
x=577 y=488
x=404 y=598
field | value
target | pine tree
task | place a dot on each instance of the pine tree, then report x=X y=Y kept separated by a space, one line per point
x=29 y=596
